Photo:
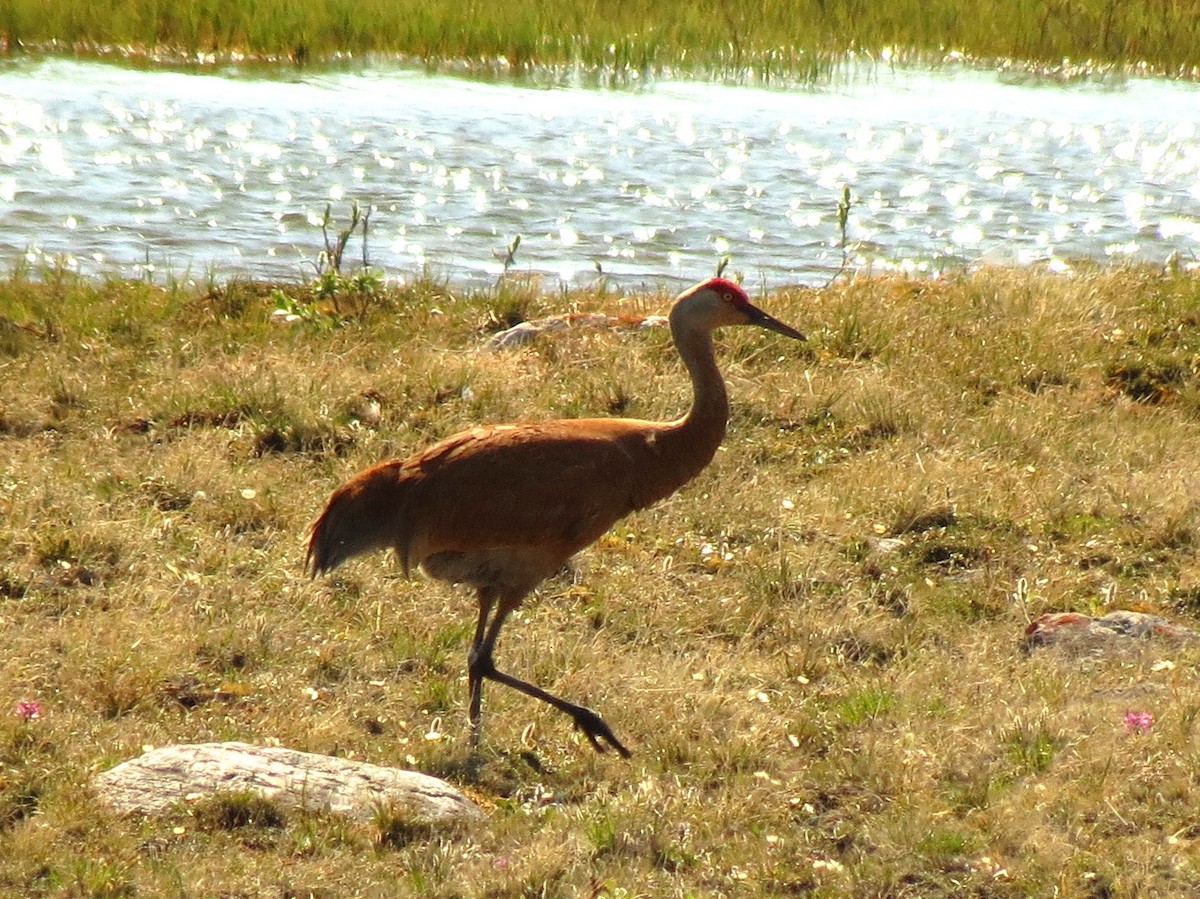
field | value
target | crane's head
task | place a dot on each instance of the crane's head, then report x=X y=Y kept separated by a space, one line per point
x=718 y=302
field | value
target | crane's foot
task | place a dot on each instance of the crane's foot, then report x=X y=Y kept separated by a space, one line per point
x=597 y=732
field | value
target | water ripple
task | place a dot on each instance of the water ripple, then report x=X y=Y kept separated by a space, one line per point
x=115 y=169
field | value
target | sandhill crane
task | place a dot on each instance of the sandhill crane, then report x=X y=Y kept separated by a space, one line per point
x=501 y=508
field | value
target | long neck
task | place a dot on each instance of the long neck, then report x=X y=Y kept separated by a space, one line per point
x=679 y=450
x=697 y=435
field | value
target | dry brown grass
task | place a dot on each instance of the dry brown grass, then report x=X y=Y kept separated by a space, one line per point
x=813 y=649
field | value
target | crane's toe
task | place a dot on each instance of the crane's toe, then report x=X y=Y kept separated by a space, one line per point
x=597 y=731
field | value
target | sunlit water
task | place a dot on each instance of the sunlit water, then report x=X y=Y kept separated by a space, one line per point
x=111 y=169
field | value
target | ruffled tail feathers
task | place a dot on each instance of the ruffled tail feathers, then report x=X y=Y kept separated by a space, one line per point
x=362 y=515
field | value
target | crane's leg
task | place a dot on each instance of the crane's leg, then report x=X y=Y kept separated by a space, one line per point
x=481 y=666
x=474 y=676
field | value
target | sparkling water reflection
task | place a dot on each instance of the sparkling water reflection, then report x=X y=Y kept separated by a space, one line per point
x=114 y=169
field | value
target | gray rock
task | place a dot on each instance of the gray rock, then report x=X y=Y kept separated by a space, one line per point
x=1076 y=631
x=164 y=777
x=524 y=332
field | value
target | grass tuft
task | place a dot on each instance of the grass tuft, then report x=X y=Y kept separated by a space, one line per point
x=772 y=42
x=238 y=811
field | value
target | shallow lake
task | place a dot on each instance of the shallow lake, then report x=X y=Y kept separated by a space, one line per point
x=112 y=169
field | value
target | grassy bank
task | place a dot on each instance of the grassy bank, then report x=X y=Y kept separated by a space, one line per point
x=765 y=39
x=812 y=650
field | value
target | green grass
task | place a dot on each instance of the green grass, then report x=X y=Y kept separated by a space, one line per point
x=813 y=650
x=769 y=40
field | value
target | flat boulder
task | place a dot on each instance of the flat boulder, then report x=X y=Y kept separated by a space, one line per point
x=165 y=777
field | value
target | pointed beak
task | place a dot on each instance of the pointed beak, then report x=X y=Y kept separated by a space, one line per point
x=760 y=318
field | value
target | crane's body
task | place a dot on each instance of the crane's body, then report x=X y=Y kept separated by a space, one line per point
x=502 y=508
x=507 y=505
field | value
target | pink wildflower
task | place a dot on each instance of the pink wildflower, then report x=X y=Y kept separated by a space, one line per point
x=28 y=709
x=1138 y=722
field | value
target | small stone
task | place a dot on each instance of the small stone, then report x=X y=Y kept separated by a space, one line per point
x=1076 y=631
